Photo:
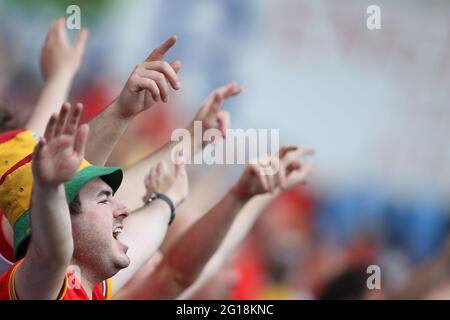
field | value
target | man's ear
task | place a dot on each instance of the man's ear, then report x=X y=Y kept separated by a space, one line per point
x=75 y=207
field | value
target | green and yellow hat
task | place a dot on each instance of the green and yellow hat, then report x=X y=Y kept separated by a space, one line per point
x=16 y=181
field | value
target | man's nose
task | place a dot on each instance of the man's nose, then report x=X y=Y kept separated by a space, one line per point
x=121 y=210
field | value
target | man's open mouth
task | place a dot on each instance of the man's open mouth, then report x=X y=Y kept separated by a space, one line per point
x=116 y=231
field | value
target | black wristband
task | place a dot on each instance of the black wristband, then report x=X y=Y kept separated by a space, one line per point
x=166 y=199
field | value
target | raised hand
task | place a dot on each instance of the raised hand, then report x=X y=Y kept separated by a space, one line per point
x=58 y=155
x=58 y=56
x=169 y=179
x=296 y=172
x=211 y=114
x=271 y=174
x=150 y=82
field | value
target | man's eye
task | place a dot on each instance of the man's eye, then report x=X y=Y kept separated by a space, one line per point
x=104 y=201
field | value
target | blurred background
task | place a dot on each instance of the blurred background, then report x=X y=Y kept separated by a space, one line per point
x=374 y=103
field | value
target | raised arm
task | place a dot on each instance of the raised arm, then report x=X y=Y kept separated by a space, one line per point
x=185 y=260
x=209 y=115
x=56 y=159
x=148 y=84
x=60 y=62
x=246 y=220
x=147 y=226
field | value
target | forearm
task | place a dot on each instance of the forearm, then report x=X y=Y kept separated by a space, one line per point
x=239 y=229
x=50 y=222
x=143 y=233
x=133 y=175
x=41 y=273
x=185 y=260
x=188 y=256
x=105 y=131
x=53 y=95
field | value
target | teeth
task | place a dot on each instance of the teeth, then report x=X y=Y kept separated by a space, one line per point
x=117 y=231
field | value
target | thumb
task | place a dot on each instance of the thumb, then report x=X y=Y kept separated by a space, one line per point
x=180 y=168
x=37 y=153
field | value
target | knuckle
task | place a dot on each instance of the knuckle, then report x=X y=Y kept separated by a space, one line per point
x=165 y=65
x=151 y=83
x=134 y=77
x=160 y=77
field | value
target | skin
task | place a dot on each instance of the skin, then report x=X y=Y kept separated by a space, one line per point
x=210 y=114
x=56 y=159
x=139 y=239
x=183 y=263
x=171 y=180
x=297 y=174
x=85 y=239
x=148 y=84
x=136 y=97
x=60 y=62
x=98 y=254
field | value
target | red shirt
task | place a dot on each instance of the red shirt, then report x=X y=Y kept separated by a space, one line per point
x=72 y=289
